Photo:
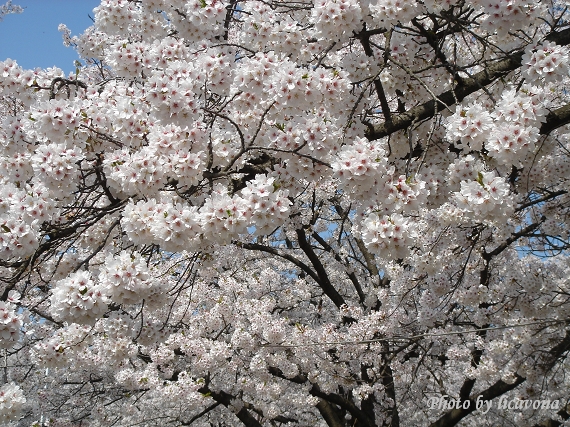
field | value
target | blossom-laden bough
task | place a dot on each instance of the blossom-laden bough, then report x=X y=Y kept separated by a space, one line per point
x=294 y=213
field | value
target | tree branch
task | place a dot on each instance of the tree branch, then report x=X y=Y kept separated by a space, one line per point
x=468 y=86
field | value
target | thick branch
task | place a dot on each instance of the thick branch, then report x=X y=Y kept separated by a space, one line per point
x=226 y=399
x=323 y=281
x=329 y=414
x=344 y=404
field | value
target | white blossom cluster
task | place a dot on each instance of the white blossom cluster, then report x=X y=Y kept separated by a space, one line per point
x=403 y=194
x=61 y=348
x=171 y=92
x=546 y=62
x=78 y=298
x=222 y=217
x=388 y=236
x=12 y=137
x=141 y=172
x=175 y=227
x=57 y=167
x=22 y=212
x=57 y=120
x=128 y=58
x=126 y=278
x=115 y=17
x=12 y=400
x=263 y=27
x=205 y=19
x=518 y=116
x=470 y=126
x=10 y=324
x=510 y=15
x=360 y=166
x=388 y=12
x=8 y=8
x=485 y=198
x=463 y=169
x=509 y=133
x=336 y=19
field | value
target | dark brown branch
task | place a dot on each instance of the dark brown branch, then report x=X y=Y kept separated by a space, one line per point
x=514 y=237
x=329 y=414
x=201 y=414
x=351 y=276
x=323 y=279
x=555 y=119
x=226 y=399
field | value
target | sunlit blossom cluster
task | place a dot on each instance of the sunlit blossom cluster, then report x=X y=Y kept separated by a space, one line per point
x=486 y=197
x=78 y=298
x=547 y=62
x=388 y=236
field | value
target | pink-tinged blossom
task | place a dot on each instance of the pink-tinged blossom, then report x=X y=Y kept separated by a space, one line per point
x=78 y=299
x=546 y=62
x=12 y=401
x=10 y=324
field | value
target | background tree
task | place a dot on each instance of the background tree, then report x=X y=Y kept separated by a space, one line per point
x=290 y=213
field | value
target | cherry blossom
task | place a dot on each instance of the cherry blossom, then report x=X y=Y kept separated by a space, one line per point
x=268 y=213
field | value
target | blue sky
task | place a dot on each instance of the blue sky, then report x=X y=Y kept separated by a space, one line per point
x=31 y=38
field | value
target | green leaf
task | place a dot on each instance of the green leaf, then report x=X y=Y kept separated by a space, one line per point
x=480 y=178
x=83 y=291
x=5 y=228
x=203 y=3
